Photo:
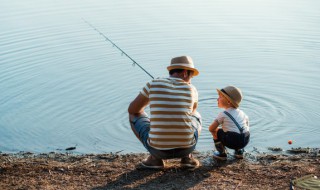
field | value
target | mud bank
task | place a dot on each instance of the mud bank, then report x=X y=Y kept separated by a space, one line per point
x=26 y=170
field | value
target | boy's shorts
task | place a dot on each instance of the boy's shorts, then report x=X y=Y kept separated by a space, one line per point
x=141 y=127
x=233 y=140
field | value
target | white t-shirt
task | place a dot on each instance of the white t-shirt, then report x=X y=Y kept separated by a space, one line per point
x=229 y=125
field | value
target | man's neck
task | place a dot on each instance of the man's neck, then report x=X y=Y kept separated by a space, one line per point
x=176 y=75
x=179 y=76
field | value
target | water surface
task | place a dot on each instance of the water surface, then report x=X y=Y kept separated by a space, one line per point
x=63 y=85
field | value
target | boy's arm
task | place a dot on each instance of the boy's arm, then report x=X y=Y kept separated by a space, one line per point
x=213 y=128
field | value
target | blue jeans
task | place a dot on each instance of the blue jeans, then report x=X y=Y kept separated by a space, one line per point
x=141 y=127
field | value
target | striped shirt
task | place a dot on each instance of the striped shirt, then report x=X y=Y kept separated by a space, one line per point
x=171 y=106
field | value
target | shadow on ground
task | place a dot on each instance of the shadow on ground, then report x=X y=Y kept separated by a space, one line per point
x=170 y=178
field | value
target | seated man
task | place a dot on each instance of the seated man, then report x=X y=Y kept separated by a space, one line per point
x=174 y=126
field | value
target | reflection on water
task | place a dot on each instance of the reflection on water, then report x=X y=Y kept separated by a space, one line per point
x=63 y=85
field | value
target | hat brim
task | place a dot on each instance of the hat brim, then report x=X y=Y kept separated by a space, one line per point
x=226 y=96
x=195 y=71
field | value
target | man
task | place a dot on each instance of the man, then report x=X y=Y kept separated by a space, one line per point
x=174 y=126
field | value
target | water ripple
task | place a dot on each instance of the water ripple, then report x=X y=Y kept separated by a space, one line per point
x=62 y=84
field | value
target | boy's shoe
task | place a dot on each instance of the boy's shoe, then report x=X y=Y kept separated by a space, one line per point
x=239 y=153
x=152 y=163
x=189 y=162
x=219 y=156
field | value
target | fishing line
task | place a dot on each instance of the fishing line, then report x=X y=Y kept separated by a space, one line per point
x=114 y=45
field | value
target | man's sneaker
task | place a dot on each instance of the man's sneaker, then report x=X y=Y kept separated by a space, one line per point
x=219 y=156
x=239 y=153
x=152 y=163
x=189 y=162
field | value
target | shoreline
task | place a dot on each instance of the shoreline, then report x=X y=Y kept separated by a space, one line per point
x=26 y=170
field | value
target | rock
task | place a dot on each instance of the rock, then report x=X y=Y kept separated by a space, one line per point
x=276 y=149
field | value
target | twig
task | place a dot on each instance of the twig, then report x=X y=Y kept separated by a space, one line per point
x=238 y=185
x=119 y=151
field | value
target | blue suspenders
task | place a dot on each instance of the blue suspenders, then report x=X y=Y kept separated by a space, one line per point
x=235 y=122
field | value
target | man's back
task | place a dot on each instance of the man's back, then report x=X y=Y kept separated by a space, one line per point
x=171 y=104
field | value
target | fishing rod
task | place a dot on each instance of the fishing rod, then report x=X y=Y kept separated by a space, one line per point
x=114 y=45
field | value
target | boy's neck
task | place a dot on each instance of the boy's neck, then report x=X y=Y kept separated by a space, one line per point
x=229 y=107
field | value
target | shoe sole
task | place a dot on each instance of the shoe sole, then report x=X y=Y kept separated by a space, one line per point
x=151 y=167
x=239 y=157
x=190 y=165
x=220 y=158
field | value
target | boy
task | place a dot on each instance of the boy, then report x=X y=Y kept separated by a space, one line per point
x=234 y=132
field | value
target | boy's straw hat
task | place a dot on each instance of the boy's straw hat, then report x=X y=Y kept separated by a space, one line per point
x=233 y=94
x=183 y=62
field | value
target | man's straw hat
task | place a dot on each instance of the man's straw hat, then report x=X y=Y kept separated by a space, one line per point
x=183 y=62
x=233 y=94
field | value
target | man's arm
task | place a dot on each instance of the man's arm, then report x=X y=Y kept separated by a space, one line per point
x=195 y=98
x=195 y=106
x=138 y=105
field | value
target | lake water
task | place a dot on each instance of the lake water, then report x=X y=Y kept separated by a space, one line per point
x=63 y=85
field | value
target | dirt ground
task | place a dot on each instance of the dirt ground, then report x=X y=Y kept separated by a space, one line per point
x=121 y=171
